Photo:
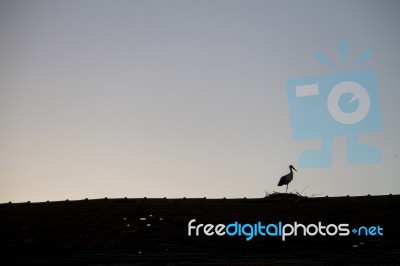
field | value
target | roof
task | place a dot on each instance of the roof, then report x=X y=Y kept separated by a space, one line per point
x=154 y=230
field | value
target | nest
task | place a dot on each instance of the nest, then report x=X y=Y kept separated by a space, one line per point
x=276 y=195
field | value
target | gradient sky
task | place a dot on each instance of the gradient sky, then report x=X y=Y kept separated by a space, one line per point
x=181 y=98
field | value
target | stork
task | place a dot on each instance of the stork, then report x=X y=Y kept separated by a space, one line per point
x=286 y=179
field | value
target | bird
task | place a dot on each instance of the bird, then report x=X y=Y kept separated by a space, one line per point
x=286 y=179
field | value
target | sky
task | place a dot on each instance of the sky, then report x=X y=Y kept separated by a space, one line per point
x=182 y=98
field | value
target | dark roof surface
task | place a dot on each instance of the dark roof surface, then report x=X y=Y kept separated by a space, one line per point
x=131 y=231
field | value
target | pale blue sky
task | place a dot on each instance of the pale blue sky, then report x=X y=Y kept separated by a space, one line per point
x=181 y=98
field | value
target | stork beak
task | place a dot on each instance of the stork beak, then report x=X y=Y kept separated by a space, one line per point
x=294 y=168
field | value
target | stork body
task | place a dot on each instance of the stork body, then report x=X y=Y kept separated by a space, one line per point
x=286 y=179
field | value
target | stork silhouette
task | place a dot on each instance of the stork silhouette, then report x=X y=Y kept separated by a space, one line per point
x=286 y=179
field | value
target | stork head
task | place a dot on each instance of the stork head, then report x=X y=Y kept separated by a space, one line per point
x=291 y=167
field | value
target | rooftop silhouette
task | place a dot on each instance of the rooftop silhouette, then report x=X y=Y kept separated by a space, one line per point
x=129 y=231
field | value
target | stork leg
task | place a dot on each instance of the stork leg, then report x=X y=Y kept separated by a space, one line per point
x=287 y=187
